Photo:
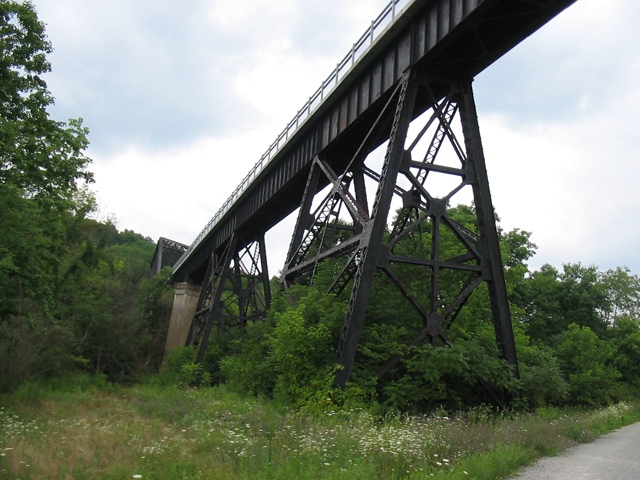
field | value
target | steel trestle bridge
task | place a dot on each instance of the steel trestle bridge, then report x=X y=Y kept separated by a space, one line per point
x=415 y=63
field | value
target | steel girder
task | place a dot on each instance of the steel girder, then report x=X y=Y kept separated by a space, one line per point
x=167 y=253
x=236 y=290
x=364 y=242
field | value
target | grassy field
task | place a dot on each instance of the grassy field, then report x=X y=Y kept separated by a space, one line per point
x=83 y=431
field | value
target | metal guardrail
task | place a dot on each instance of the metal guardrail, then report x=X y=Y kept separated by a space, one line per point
x=382 y=21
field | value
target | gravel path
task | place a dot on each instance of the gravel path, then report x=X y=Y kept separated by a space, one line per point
x=615 y=456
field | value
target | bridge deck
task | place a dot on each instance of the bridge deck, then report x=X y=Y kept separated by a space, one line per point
x=445 y=37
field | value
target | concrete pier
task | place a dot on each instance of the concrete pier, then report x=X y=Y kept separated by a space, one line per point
x=185 y=301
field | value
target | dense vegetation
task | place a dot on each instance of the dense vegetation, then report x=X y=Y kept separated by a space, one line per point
x=73 y=290
x=74 y=295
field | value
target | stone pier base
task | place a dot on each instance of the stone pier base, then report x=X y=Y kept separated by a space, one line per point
x=184 y=307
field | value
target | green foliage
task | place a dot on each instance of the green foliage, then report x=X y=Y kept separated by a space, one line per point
x=542 y=380
x=303 y=345
x=171 y=370
x=582 y=323
x=449 y=376
x=114 y=294
x=43 y=207
x=250 y=368
x=39 y=156
x=625 y=337
x=96 y=309
x=291 y=355
x=623 y=294
x=35 y=349
x=553 y=301
x=586 y=360
x=193 y=374
x=57 y=387
x=179 y=369
x=516 y=248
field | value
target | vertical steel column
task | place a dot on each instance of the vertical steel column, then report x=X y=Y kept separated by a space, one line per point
x=264 y=273
x=371 y=246
x=493 y=270
x=304 y=214
x=361 y=193
x=215 y=311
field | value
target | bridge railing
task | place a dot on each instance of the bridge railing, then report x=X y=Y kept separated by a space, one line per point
x=381 y=22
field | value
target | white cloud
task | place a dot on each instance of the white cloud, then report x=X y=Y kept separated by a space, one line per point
x=173 y=194
x=574 y=184
x=559 y=116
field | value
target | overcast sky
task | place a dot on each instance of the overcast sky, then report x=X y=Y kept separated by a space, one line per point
x=182 y=98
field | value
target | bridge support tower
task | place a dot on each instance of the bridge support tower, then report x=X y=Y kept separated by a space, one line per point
x=412 y=169
x=235 y=290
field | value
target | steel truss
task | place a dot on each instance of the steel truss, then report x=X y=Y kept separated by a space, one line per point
x=364 y=243
x=236 y=290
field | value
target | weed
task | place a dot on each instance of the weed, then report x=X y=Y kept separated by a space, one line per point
x=210 y=433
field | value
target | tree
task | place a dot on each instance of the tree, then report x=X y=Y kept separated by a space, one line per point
x=42 y=173
x=553 y=301
x=39 y=156
x=42 y=164
x=587 y=362
x=74 y=292
x=625 y=336
x=623 y=293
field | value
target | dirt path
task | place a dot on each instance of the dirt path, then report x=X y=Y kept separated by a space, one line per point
x=615 y=456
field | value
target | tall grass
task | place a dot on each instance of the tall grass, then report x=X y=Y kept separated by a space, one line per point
x=99 y=432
